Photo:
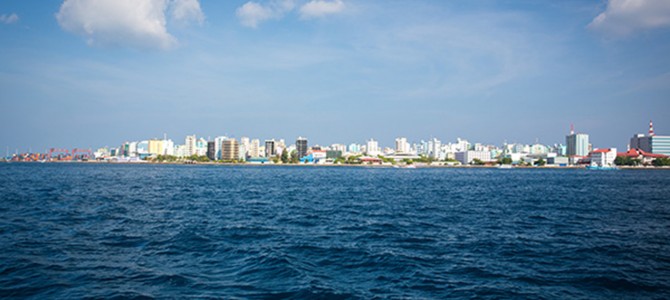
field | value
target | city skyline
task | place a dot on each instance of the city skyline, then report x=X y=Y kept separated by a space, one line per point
x=334 y=71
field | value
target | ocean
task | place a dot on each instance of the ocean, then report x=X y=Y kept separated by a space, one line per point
x=190 y=231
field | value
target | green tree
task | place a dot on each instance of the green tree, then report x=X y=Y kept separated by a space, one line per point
x=284 y=156
x=477 y=162
x=353 y=159
x=540 y=162
x=661 y=162
x=505 y=161
x=627 y=161
x=294 y=157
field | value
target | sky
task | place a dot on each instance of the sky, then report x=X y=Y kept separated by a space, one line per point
x=87 y=74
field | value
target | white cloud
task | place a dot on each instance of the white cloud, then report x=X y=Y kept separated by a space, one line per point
x=9 y=19
x=251 y=14
x=623 y=17
x=132 y=23
x=320 y=8
x=185 y=11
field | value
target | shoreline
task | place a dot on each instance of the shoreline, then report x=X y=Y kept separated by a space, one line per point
x=417 y=166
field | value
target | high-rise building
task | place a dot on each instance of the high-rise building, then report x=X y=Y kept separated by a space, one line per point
x=230 y=150
x=155 y=147
x=168 y=147
x=372 y=147
x=301 y=146
x=211 y=150
x=217 y=145
x=652 y=143
x=201 y=147
x=577 y=143
x=270 y=148
x=354 y=148
x=435 y=148
x=189 y=143
x=255 y=148
x=401 y=145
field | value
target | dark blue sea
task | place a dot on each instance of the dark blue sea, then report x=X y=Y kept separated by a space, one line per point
x=171 y=231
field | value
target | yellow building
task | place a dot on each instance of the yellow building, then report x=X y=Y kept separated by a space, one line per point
x=155 y=147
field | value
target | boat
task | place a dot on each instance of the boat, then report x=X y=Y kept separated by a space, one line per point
x=505 y=167
x=601 y=168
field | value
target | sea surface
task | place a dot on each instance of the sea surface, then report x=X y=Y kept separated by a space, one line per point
x=182 y=231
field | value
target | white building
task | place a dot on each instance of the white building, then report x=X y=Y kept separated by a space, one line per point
x=466 y=157
x=201 y=147
x=189 y=143
x=255 y=148
x=402 y=146
x=168 y=147
x=354 y=148
x=217 y=145
x=339 y=147
x=181 y=151
x=603 y=157
x=435 y=149
x=372 y=147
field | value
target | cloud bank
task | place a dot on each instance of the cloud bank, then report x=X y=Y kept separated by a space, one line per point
x=623 y=17
x=9 y=19
x=320 y=8
x=252 y=13
x=129 y=23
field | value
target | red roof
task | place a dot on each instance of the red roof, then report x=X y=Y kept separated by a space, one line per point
x=640 y=152
x=601 y=150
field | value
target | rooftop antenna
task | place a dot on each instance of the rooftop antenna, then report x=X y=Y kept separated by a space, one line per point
x=572 y=129
x=651 y=128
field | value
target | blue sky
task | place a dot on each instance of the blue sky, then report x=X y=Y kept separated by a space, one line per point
x=81 y=73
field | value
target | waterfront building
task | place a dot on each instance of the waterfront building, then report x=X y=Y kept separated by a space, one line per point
x=211 y=150
x=539 y=149
x=603 y=157
x=142 y=148
x=652 y=143
x=559 y=149
x=155 y=147
x=217 y=144
x=180 y=151
x=168 y=147
x=577 y=143
x=338 y=147
x=401 y=145
x=435 y=149
x=466 y=157
x=354 y=148
x=301 y=146
x=230 y=150
x=242 y=152
x=189 y=143
x=270 y=148
x=254 y=148
x=559 y=161
x=643 y=156
x=201 y=147
x=371 y=147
